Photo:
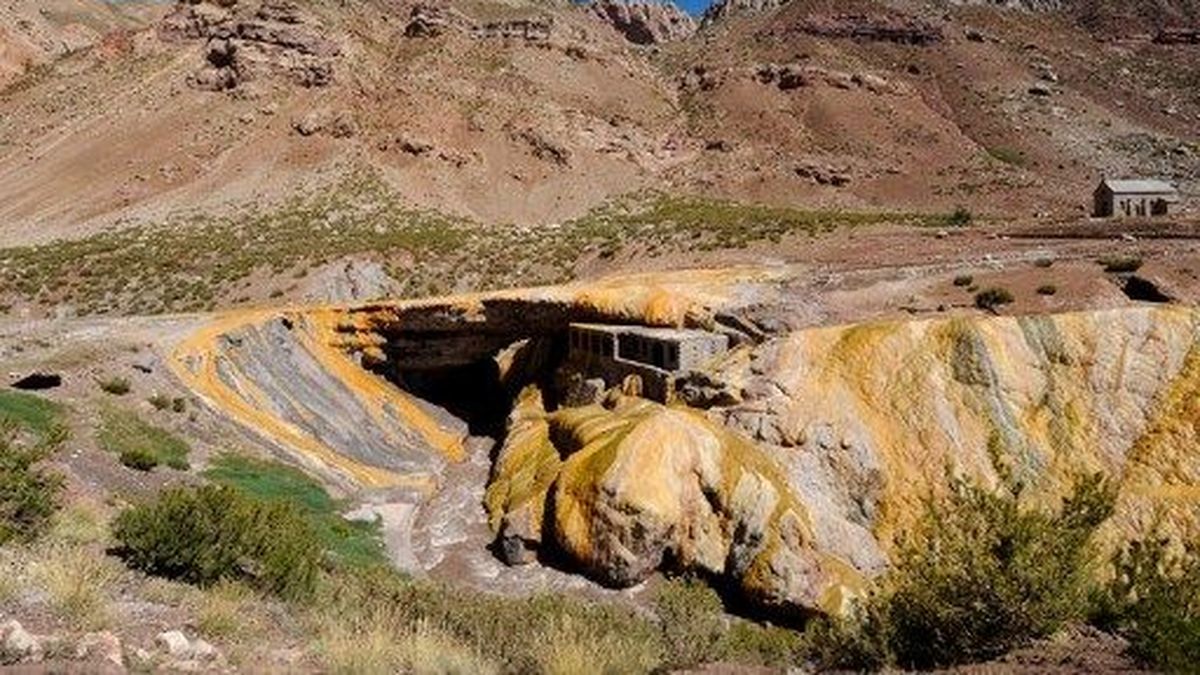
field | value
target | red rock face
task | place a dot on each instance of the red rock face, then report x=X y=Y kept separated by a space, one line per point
x=870 y=28
x=645 y=23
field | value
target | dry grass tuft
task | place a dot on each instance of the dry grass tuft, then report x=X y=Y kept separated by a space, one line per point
x=229 y=611
x=572 y=648
x=381 y=646
x=10 y=575
x=368 y=649
x=429 y=651
x=81 y=523
x=78 y=582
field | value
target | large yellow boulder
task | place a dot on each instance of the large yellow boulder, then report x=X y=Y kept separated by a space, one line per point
x=645 y=487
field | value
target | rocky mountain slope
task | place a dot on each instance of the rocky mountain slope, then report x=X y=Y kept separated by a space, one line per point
x=531 y=113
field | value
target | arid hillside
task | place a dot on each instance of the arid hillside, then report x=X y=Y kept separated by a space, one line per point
x=532 y=113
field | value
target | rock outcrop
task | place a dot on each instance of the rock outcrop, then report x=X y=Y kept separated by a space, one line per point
x=645 y=23
x=879 y=27
x=642 y=487
x=247 y=40
x=726 y=9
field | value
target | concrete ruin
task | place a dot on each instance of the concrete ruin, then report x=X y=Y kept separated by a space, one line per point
x=656 y=355
x=1134 y=198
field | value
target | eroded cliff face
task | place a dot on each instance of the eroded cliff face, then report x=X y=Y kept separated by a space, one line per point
x=793 y=489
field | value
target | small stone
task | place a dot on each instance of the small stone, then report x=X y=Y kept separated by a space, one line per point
x=20 y=643
x=175 y=642
x=203 y=651
x=309 y=124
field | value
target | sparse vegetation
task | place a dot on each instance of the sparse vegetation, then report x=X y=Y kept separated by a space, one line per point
x=140 y=445
x=229 y=610
x=980 y=575
x=210 y=534
x=117 y=386
x=992 y=298
x=377 y=608
x=1121 y=264
x=193 y=263
x=964 y=280
x=78 y=583
x=1047 y=289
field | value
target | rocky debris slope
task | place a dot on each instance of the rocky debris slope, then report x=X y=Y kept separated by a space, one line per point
x=645 y=23
x=244 y=40
x=36 y=32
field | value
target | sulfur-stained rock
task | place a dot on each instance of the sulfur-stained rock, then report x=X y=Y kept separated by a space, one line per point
x=646 y=487
x=524 y=470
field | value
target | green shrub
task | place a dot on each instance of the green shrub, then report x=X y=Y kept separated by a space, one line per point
x=209 y=534
x=1121 y=264
x=1047 y=289
x=1154 y=601
x=160 y=402
x=979 y=576
x=960 y=217
x=991 y=298
x=140 y=445
x=964 y=280
x=139 y=459
x=692 y=623
x=696 y=630
x=117 y=386
x=354 y=543
x=29 y=495
x=178 y=405
x=1007 y=155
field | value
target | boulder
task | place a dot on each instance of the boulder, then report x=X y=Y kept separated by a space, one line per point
x=644 y=487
